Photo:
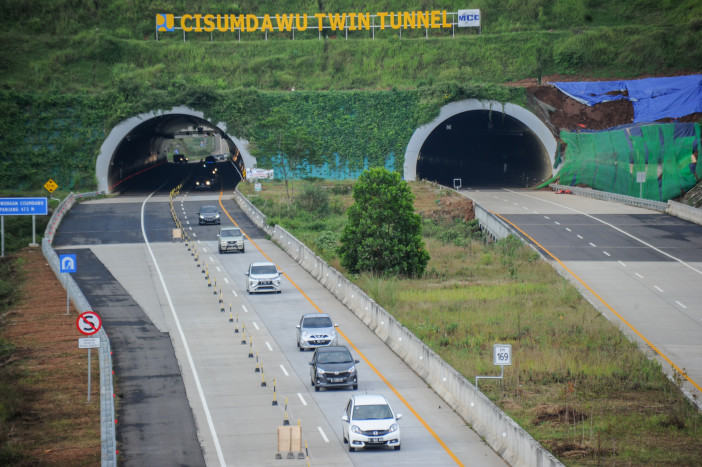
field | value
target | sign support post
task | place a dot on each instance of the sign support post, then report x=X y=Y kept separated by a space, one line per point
x=67 y=264
x=89 y=323
x=501 y=356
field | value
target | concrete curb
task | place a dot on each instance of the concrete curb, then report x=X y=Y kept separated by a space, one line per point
x=507 y=438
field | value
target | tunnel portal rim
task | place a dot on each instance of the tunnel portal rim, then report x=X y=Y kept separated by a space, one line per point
x=524 y=116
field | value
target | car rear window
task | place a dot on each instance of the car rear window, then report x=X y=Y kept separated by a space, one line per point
x=231 y=233
x=317 y=322
x=371 y=412
x=266 y=269
x=335 y=356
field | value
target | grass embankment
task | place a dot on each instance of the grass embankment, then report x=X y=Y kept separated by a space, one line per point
x=577 y=384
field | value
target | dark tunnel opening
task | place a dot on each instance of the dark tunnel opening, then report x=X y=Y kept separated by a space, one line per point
x=145 y=158
x=483 y=148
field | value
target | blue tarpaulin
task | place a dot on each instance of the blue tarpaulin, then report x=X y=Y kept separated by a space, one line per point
x=653 y=98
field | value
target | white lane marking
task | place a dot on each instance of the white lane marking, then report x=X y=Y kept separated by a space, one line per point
x=556 y=222
x=245 y=310
x=515 y=204
x=186 y=347
x=580 y=236
x=638 y=275
x=546 y=217
x=284 y=370
x=568 y=229
x=187 y=221
x=324 y=437
x=525 y=208
x=683 y=306
x=270 y=349
x=606 y=253
x=234 y=292
x=194 y=234
x=199 y=242
x=622 y=263
x=658 y=288
x=255 y=325
x=304 y=402
x=225 y=279
x=218 y=270
x=592 y=244
x=190 y=228
x=612 y=226
x=211 y=258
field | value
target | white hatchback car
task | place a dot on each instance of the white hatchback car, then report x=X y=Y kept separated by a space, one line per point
x=263 y=277
x=369 y=421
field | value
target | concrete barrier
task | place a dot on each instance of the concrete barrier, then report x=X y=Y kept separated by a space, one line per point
x=617 y=198
x=107 y=407
x=683 y=211
x=507 y=438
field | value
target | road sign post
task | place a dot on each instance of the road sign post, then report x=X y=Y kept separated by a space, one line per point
x=501 y=356
x=21 y=207
x=67 y=264
x=89 y=343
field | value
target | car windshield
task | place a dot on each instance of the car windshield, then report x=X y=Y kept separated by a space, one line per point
x=317 y=322
x=231 y=233
x=372 y=412
x=208 y=210
x=336 y=356
x=265 y=269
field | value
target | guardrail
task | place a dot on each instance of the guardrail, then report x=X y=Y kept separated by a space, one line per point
x=603 y=195
x=107 y=407
x=502 y=433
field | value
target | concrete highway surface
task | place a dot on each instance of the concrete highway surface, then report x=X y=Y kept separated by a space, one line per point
x=185 y=377
x=641 y=268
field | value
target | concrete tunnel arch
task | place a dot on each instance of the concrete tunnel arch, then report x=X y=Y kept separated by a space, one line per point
x=139 y=142
x=482 y=142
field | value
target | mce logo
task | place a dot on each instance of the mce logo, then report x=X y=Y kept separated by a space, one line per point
x=469 y=17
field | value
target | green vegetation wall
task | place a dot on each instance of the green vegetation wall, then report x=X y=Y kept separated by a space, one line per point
x=59 y=136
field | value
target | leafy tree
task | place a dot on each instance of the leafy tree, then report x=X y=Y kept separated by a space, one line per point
x=383 y=234
x=285 y=147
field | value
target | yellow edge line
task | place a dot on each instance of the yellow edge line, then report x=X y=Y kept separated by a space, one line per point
x=377 y=372
x=683 y=373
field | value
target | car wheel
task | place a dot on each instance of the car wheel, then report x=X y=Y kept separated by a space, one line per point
x=351 y=448
x=278 y=291
x=243 y=249
x=355 y=387
x=346 y=441
x=220 y=250
x=316 y=388
x=397 y=448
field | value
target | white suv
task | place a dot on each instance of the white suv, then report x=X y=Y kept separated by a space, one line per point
x=263 y=277
x=369 y=421
x=230 y=239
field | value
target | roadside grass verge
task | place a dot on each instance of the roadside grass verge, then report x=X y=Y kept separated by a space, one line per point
x=577 y=384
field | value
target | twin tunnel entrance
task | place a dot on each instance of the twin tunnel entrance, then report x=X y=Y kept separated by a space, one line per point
x=469 y=141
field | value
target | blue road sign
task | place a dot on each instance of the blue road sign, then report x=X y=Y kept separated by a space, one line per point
x=68 y=263
x=24 y=207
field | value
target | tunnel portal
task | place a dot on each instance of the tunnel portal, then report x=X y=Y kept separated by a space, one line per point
x=482 y=143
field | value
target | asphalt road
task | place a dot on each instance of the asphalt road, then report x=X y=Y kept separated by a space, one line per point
x=146 y=290
x=642 y=269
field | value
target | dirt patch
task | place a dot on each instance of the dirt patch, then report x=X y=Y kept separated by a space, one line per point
x=56 y=424
x=449 y=208
x=558 y=415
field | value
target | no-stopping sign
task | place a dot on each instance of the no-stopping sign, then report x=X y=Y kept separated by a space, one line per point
x=89 y=323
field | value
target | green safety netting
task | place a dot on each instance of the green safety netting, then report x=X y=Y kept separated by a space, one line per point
x=610 y=160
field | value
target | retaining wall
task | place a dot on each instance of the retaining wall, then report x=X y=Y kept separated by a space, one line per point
x=507 y=438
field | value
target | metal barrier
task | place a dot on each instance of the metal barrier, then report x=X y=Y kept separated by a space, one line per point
x=107 y=406
x=617 y=198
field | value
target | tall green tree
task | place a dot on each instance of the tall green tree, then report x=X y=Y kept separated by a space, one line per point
x=384 y=233
x=286 y=147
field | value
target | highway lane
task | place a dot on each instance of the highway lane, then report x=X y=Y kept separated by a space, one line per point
x=234 y=414
x=640 y=268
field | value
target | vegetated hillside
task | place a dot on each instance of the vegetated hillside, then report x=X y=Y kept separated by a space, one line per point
x=73 y=69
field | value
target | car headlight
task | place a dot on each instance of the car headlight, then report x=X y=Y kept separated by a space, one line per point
x=355 y=429
x=217 y=216
x=276 y=282
x=393 y=427
x=320 y=371
x=305 y=334
x=352 y=369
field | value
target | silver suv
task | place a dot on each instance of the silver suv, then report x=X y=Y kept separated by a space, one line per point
x=315 y=330
x=230 y=239
x=263 y=277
